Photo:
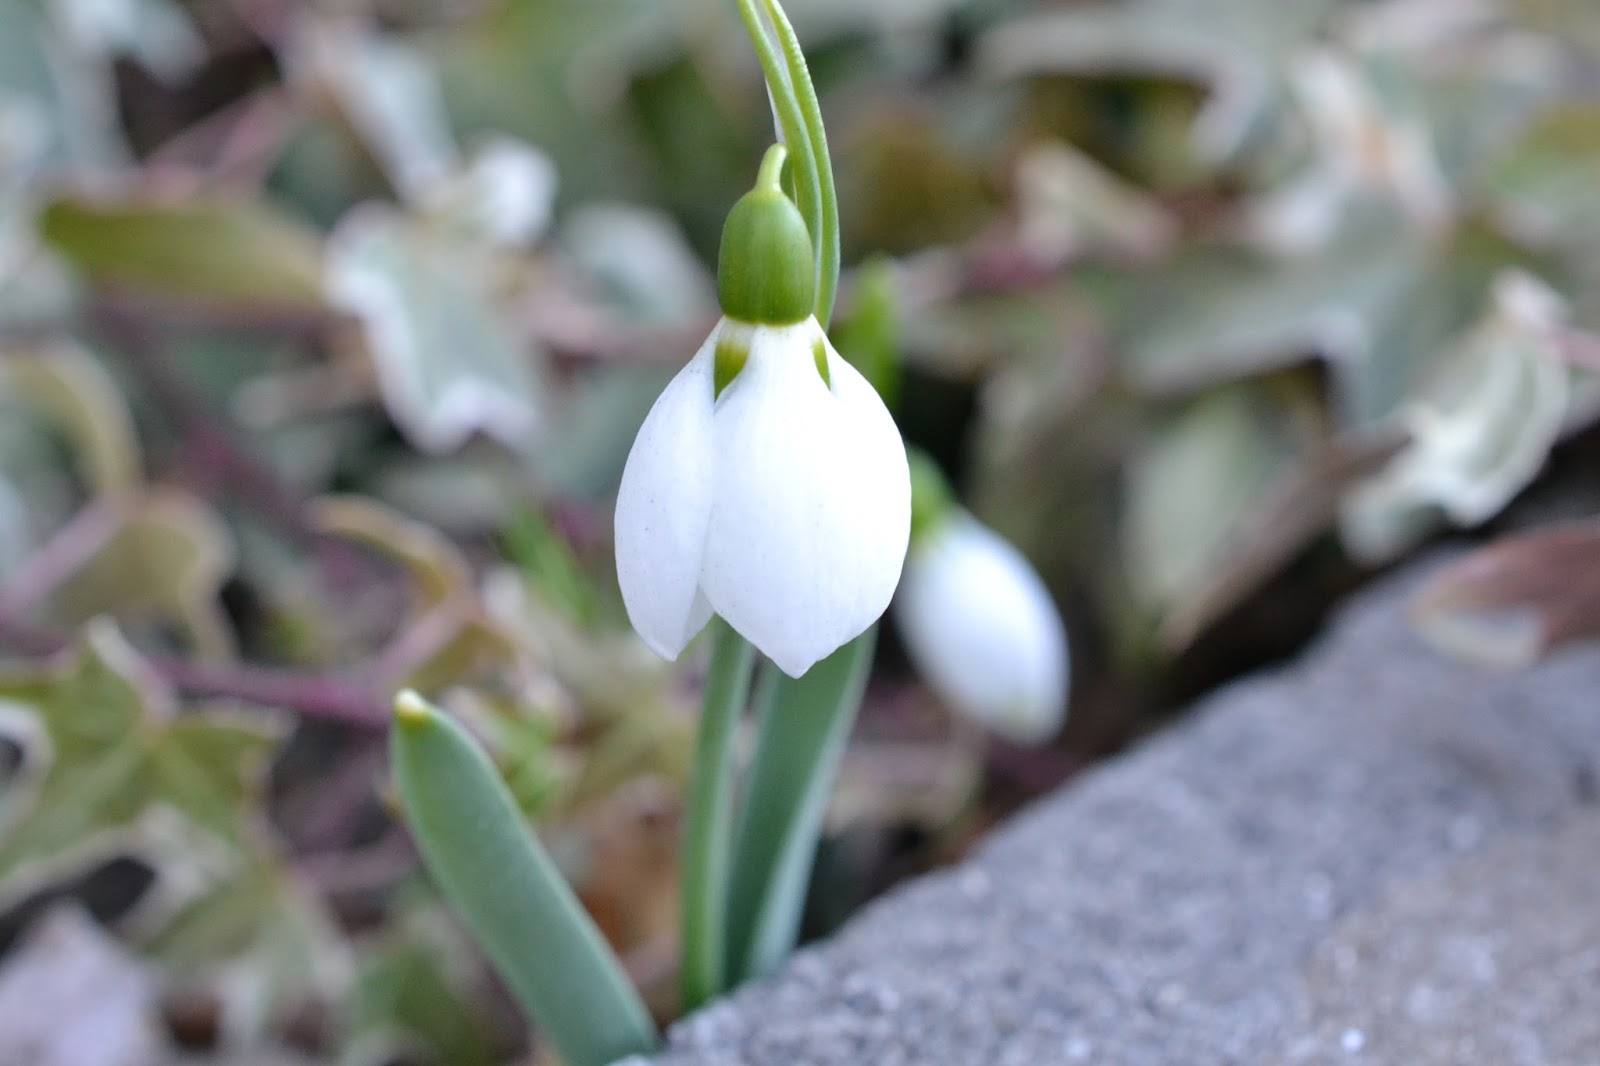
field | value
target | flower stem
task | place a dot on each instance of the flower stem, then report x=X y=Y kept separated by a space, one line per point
x=791 y=121
x=710 y=818
x=825 y=226
x=772 y=167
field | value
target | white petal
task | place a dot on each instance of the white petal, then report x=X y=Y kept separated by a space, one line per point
x=663 y=507
x=813 y=502
x=982 y=629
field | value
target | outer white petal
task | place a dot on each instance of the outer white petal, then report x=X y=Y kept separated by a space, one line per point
x=982 y=629
x=663 y=507
x=813 y=502
x=878 y=482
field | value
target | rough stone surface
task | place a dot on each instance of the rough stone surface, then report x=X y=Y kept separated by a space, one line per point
x=1370 y=856
x=1495 y=959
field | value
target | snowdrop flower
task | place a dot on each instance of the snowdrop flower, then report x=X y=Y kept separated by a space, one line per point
x=978 y=622
x=768 y=484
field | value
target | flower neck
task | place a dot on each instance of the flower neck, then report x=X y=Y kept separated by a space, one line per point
x=766 y=273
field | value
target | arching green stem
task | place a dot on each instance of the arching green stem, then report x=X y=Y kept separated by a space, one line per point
x=791 y=120
x=825 y=229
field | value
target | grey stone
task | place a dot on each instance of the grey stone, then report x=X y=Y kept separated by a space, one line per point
x=1494 y=959
x=1235 y=891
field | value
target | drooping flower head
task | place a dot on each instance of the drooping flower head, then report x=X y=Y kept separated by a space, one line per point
x=978 y=622
x=768 y=483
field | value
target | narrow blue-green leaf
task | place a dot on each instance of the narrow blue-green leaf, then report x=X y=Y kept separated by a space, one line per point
x=497 y=877
x=709 y=824
x=804 y=725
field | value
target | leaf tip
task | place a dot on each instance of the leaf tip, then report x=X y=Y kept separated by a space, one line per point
x=410 y=709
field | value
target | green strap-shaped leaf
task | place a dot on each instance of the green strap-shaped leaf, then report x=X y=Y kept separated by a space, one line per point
x=497 y=877
x=804 y=725
x=709 y=825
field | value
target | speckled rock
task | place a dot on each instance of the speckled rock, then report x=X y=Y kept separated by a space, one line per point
x=1495 y=959
x=1280 y=880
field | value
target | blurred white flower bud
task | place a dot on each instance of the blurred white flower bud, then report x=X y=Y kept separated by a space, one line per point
x=983 y=630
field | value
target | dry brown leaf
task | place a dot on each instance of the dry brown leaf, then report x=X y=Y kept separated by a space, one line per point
x=1515 y=601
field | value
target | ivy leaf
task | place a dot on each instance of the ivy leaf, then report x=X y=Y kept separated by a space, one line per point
x=595 y=423
x=164 y=562
x=544 y=72
x=640 y=261
x=23 y=142
x=1194 y=488
x=1071 y=206
x=65 y=383
x=16 y=532
x=420 y=985
x=1218 y=314
x=37 y=291
x=157 y=555
x=1543 y=186
x=233 y=252
x=54 y=111
x=1480 y=426
x=1369 y=143
x=70 y=94
x=157 y=33
x=1237 y=49
x=502 y=196
x=1297 y=505
x=106 y=757
x=1378 y=306
x=438 y=571
x=265 y=942
x=388 y=92
x=1575 y=22
x=447 y=361
x=447 y=628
